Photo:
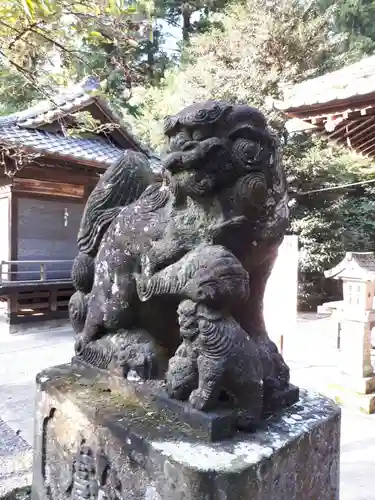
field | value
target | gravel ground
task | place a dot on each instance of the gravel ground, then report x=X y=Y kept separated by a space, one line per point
x=15 y=460
x=21 y=358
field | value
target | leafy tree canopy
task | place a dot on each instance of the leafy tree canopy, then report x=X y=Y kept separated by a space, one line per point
x=257 y=49
x=55 y=42
x=354 y=21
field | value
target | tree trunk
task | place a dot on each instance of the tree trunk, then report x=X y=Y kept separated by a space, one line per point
x=186 y=23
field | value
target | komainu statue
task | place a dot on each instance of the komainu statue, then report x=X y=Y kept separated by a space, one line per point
x=172 y=266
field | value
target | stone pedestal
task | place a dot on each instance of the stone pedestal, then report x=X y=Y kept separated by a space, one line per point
x=355 y=344
x=95 y=443
x=355 y=384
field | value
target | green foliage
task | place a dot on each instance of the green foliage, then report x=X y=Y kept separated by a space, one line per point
x=15 y=91
x=56 y=42
x=328 y=223
x=192 y=17
x=53 y=43
x=255 y=50
x=353 y=20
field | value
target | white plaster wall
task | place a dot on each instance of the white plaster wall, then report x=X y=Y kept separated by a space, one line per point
x=280 y=301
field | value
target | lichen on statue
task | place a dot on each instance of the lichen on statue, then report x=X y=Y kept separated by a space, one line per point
x=206 y=231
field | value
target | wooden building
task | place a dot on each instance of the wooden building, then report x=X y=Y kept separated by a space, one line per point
x=47 y=176
x=339 y=105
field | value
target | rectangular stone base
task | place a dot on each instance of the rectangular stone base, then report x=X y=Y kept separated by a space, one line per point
x=210 y=426
x=93 y=442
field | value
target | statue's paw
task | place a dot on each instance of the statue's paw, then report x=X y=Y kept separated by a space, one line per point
x=80 y=344
x=198 y=400
x=179 y=392
x=248 y=421
x=146 y=367
x=181 y=377
x=280 y=372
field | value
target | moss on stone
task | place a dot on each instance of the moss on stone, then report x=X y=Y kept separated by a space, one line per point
x=98 y=394
x=23 y=493
x=131 y=407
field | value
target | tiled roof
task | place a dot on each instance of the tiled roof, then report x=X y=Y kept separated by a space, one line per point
x=21 y=128
x=354 y=265
x=351 y=81
x=97 y=150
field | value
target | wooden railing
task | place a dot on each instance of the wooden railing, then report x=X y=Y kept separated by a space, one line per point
x=11 y=271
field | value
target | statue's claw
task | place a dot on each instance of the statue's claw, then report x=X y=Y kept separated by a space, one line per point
x=198 y=400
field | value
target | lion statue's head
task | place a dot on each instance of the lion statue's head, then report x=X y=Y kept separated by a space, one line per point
x=215 y=145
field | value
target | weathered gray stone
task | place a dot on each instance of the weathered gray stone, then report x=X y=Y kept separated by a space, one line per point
x=173 y=266
x=92 y=442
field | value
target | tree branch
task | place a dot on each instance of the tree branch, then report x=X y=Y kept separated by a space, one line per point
x=57 y=44
x=28 y=75
x=64 y=49
x=20 y=33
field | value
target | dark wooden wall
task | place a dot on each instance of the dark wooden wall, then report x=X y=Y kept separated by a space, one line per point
x=40 y=212
x=45 y=205
x=47 y=230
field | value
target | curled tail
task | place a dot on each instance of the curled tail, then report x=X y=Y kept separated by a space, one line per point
x=120 y=185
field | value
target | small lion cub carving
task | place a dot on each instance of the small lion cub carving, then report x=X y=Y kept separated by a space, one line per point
x=222 y=360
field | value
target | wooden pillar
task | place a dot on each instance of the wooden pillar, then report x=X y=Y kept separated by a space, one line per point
x=13 y=233
x=53 y=300
x=4 y=226
x=89 y=187
x=5 y=238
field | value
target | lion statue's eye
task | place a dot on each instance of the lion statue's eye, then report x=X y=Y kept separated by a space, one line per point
x=245 y=149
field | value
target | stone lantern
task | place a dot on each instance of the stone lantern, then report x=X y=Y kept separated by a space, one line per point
x=357 y=272
x=356 y=320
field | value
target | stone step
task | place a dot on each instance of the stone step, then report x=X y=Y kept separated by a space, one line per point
x=345 y=396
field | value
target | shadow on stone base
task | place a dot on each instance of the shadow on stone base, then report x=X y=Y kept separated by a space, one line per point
x=93 y=442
